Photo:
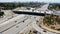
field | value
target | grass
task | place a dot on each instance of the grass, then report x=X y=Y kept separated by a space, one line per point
x=52 y=21
x=48 y=20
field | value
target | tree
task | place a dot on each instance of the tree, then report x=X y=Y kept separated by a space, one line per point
x=1 y=13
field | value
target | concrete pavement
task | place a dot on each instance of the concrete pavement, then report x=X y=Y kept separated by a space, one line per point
x=19 y=27
x=8 y=24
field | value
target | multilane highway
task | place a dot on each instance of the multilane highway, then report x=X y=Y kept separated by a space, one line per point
x=8 y=24
x=21 y=25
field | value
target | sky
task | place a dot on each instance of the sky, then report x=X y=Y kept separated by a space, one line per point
x=48 y=1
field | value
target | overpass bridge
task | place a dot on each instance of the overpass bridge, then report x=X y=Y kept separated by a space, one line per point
x=37 y=13
x=29 y=13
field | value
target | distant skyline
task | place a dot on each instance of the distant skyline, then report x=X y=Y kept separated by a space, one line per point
x=47 y=1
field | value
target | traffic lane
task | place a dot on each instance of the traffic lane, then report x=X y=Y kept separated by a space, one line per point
x=14 y=30
x=10 y=23
x=6 y=18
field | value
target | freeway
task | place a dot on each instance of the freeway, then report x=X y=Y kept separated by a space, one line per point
x=8 y=24
x=18 y=27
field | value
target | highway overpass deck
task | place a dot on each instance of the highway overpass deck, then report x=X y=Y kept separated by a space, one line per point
x=29 y=13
